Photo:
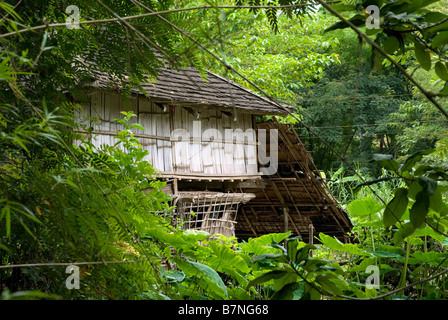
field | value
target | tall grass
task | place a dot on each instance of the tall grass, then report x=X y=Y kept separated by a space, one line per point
x=346 y=186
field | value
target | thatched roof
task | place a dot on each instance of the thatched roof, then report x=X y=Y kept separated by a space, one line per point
x=189 y=87
x=296 y=186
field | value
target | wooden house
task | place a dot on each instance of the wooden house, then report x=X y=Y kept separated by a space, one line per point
x=204 y=139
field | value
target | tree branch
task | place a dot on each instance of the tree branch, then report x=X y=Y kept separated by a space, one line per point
x=429 y=95
x=153 y=13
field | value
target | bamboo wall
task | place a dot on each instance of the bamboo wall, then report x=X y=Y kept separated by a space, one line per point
x=180 y=139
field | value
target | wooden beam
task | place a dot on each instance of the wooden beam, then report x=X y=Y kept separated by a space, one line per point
x=311 y=233
x=285 y=219
x=173 y=150
x=175 y=187
x=230 y=115
x=279 y=204
x=161 y=106
x=254 y=212
x=325 y=192
x=192 y=112
x=248 y=222
x=285 y=206
x=280 y=179
x=114 y=133
x=211 y=177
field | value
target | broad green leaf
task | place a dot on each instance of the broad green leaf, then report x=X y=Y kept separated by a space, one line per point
x=311 y=293
x=441 y=70
x=384 y=254
x=414 y=188
x=271 y=256
x=405 y=6
x=267 y=239
x=208 y=278
x=431 y=257
x=172 y=275
x=328 y=285
x=414 y=158
x=276 y=274
x=386 y=161
x=364 y=207
x=228 y=258
x=121 y=121
x=253 y=247
x=291 y=291
x=429 y=185
x=166 y=237
x=444 y=90
x=314 y=264
x=357 y=20
x=436 y=201
x=378 y=3
x=291 y=277
x=278 y=246
x=391 y=249
x=391 y=44
x=335 y=244
x=423 y=56
x=440 y=40
x=138 y=126
x=429 y=232
x=194 y=235
x=291 y=247
x=434 y=17
x=405 y=231
x=435 y=170
x=396 y=207
x=303 y=253
x=419 y=209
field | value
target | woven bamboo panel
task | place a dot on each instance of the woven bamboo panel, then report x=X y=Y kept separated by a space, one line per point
x=213 y=212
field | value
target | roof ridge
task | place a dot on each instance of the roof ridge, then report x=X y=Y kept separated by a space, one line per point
x=191 y=85
x=245 y=89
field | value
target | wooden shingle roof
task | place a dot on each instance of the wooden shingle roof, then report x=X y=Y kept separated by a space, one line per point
x=189 y=87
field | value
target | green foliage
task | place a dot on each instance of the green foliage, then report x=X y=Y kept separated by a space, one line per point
x=399 y=234
x=278 y=61
x=422 y=193
x=348 y=107
x=77 y=208
x=297 y=275
x=408 y=26
x=65 y=202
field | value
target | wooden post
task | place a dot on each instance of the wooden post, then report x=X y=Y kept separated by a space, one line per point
x=175 y=186
x=285 y=219
x=311 y=228
x=311 y=236
x=285 y=222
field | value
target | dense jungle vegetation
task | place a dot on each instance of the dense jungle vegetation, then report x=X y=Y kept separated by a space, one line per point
x=370 y=107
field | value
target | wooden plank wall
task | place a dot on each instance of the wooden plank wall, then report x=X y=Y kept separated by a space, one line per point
x=203 y=148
